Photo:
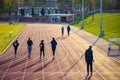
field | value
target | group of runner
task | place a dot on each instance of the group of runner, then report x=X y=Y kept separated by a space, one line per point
x=41 y=45
x=88 y=52
x=68 y=30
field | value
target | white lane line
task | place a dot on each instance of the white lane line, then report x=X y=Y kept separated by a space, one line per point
x=55 y=65
x=12 y=60
x=43 y=72
x=43 y=66
x=106 y=64
x=7 y=69
x=60 y=68
x=114 y=70
x=70 y=56
x=116 y=60
x=100 y=73
x=59 y=65
x=55 y=72
x=25 y=70
x=98 y=70
x=46 y=61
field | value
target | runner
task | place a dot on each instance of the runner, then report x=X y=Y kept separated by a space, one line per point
x=29 y=43
x=68 y=30
x=89 y=59
x=15 y=45
x=41 y=49
x=53 y=45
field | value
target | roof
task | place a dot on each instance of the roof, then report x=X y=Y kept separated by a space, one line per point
x=61 y=14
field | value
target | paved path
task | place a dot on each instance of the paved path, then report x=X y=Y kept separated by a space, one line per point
x=69 y=63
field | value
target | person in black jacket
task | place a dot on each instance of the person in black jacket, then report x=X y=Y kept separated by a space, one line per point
x=29 y=43
x=41 y=49
x=53 y=45
x=68 y=30
x=62 y=30
x=15 y=45
x=89 y=59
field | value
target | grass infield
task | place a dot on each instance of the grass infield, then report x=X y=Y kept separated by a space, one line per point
x=110 y=25
x=8 y=33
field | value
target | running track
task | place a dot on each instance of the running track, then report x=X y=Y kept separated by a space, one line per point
x=69 y=63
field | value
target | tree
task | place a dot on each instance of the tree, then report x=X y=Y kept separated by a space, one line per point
x=1 y=7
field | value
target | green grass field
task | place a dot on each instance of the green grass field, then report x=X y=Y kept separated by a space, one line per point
x=111 y=25
x=5 y=29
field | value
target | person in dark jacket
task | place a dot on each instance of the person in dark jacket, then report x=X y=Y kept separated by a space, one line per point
x=15 y=45
x=89 y=59
x=53 y=45
x=62 y=29
x=68 y=30
x=41 y=49
x=29 y=43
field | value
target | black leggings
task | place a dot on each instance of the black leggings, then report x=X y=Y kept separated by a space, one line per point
x=89 y=66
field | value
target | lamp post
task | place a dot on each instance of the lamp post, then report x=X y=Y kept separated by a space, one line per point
x=82 y=26
x=101 y=30
x=73 y=10
x=18 y=14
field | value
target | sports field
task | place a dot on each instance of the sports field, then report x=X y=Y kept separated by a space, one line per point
x=69 y=63
x=8 y=33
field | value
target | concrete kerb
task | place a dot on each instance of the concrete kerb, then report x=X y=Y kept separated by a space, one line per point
x=12 y=42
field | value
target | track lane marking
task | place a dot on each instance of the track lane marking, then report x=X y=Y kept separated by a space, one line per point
x=11 y=62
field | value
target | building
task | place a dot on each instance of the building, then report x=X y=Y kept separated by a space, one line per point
x=53 y=11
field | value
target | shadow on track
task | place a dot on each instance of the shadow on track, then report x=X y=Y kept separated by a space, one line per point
x=95 y=41
x=70 y=68
x=39 y=69
x=87 y=77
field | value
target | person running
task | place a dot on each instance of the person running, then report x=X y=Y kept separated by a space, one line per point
x=62 y=29
x=53 y=45
x=89 y=59
x=15 y=45
x=68 y=30
x=41 y=49
x=29 y=43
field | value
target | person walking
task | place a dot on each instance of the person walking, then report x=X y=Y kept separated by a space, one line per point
x=41 y=49
x=15 y=45
x=53 y=45
x=89 y=59
x=29 y=43
x=62 y=29
x=68 y=30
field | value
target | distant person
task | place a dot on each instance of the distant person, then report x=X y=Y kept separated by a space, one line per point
x=89 y=59
x=41 y=49
x=68 y=30
x=62 y=29
x=53 y=45
x=15 y=45
x=29 y=43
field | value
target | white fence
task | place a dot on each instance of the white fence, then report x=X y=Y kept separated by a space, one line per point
x=114 y=46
